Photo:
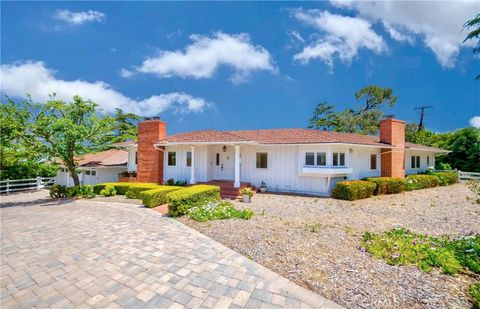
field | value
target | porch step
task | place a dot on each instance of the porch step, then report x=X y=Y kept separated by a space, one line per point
x=228 y=191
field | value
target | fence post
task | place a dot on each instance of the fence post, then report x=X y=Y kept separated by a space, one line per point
x=39 y=182
x=8 y=185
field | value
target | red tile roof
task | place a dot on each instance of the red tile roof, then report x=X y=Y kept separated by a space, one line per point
x=112 y=157
x=283 y=136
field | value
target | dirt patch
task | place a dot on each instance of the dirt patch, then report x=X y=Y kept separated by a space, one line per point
x=316 y=243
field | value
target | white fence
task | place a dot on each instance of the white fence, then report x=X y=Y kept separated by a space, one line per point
x=38 y=183
x=464 y=175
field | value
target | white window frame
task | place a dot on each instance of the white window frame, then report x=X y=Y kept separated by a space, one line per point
x=186 y=159
x=315 y=158
x=256 y=160
x=376 y=162
x=416 y=159
x=168 y=155
x=339 y=153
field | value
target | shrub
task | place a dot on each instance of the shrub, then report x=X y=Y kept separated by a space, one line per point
x=180 y=201
x=180 y=183
x=474 y=291
x=218 y=210
x=417 y=182
x=170 y=182
x=246 y=191
x=387 y=185
x=58 y=191
x=353 y=190
x=446 y=178
x=135 y=189
x=402 y=247
x=85 y=191
x=443 y=166
x=109 y=190
x=120 y=187
x=156 y=197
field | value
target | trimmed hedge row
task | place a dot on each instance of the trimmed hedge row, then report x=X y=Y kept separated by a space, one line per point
x=155 y=197
x=387 y=185
x=135 y=189
x=353 y=190
x=120 y=187
x=180 y=201
x=357 y=189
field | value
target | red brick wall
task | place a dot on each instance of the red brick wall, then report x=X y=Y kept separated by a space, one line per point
x=392 y=131
x=150 y=159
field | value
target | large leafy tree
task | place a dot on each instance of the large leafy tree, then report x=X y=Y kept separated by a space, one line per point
x=363 y=119
x=473 y=25
x=125 y=127
x=58 y=130
x=464 y=146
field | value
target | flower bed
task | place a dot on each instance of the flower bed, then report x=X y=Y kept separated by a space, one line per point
x=180 y=201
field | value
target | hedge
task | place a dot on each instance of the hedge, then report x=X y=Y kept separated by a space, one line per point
x=136 y=188
x=387 y=185
x=158 y=196
x=446 y=178
x=417 y=182
x=353 y=190
x=120 y=187
x=180 y=201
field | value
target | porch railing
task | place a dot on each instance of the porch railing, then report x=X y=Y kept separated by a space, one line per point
x=9 y=185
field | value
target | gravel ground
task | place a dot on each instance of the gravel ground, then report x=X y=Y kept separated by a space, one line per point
x=315 y=242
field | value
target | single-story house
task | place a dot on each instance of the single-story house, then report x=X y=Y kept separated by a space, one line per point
x=96 y=168
x=285 y=160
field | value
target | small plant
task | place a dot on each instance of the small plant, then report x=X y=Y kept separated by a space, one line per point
x=58 y=191
x=402 y=247
x=474 y=186
x=246 y=191
x=181 y=183
x=313 y=227
x=218 y=210
x=170 y=182
x=474 y=291
x=108 y=191
x=443 y=166
x=263 y=187
x=84 y=191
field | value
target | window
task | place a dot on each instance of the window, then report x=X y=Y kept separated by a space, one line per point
x=373 y=161
x=189 y=158
x=172 y=158
x=87 y=172
x=262 y=160
x=338 y=159
x=310 y=158
x=94 y=173
x=415 y=162
x=217 y=159
x=428 y=160
x=136 y=160
x=321 y=158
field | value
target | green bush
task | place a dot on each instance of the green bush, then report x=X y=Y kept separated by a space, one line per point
x=417 y=182
x=474 y=291
x=402 y=247
x=446 y=178
x=353 y=190
x=387 y=185
x=135 y=189
x=120 y=187
x=58 y=191
x=109 y=190
x=156 y=197
x=180 y=201
x=218 y=210
x=85 y=191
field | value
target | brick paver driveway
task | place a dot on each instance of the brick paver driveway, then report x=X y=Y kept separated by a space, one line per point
x=93 y=254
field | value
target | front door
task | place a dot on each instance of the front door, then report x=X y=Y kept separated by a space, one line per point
x=224 y=163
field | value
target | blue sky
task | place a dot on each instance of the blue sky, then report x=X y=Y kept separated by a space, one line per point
x=247 y=65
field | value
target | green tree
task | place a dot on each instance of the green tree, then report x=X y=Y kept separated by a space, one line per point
x=363 y=119
x=464 y=146
x=59 y=130
x=424 y=137
x=473 y=34
x=125 y=126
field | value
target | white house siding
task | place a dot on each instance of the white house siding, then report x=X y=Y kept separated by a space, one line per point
x=132 y=154
x=181 y=171
x=423 y=161
x=103 y=174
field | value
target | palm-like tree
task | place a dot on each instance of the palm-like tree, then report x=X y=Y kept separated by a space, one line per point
x=474 y=34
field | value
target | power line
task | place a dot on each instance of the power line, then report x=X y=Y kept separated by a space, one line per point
x=422 y=115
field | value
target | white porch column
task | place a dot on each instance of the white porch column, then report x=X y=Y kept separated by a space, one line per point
x=236 y=184
x=192 y=167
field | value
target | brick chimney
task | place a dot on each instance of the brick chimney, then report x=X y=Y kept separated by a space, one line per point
x=392 y=131
x=149 y=158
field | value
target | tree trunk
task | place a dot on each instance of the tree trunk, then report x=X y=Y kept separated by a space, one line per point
x=76 y=180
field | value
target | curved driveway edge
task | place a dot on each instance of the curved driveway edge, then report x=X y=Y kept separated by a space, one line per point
x=93 y=254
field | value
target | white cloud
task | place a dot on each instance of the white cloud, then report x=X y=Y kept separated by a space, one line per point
x=475 y=122
x=339 y=35
x=295 y=35
x=438 y=23
x=206 y=54
x=126 y=73
x=79 y=18
x=39 y=81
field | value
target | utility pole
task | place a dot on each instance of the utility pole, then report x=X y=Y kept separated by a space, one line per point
x=422 y=115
